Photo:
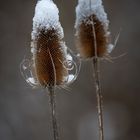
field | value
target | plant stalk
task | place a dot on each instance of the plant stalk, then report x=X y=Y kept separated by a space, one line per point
x=97 y=80
x=53 y=112
x=99 y=97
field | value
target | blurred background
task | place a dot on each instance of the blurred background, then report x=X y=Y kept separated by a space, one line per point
x=24 y=112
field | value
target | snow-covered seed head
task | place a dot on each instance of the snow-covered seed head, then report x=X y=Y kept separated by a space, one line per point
x=51 y=60
x=89 y=14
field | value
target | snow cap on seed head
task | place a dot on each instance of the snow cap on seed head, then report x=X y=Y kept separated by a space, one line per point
x=84 y=10
x=46 y=16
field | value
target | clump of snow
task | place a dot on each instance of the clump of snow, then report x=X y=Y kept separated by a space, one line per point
x=70 y=78
x=110 y=47
x=69 y=57
x=31 y=81
x=46 y=16
x=33 y=50
x=86 y=8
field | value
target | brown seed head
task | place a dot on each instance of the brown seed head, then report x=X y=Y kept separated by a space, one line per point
x=48 y=58
x=85 y=39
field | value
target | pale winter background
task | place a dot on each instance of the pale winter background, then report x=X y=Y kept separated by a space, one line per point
x=24 y=112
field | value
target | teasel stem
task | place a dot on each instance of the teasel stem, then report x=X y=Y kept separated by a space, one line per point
x=52 y=102
x=99 y=97
x=97 y=82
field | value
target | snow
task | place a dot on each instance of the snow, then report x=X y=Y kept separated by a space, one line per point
x=69 y=57
x=31 y=81
x=46 y=16
x=110 y=47
x=33 y=50
x=70 y=78
x=85 y=8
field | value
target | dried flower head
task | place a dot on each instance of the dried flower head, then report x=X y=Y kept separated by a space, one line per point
x=51 y=60
x=89 y=14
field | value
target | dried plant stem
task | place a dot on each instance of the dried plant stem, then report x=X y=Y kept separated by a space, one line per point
x=53 y=112
x=99 y=97
x=97 y=81
x=98 y=87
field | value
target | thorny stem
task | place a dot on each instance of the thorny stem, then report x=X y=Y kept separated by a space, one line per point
x=53 y=112
x=97 y=81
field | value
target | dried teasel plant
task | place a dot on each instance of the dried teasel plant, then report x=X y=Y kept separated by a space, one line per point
x=93 y=41
x=51 y=64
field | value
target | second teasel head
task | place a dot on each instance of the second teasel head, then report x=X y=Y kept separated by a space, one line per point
x=91 y=13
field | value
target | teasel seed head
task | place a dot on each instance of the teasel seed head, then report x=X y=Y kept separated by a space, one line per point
x=91 y=13
x=51 y=61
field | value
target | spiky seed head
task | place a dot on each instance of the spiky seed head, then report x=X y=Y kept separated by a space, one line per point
x=91 y=18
